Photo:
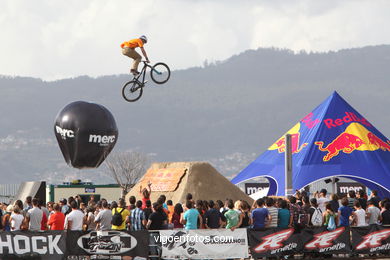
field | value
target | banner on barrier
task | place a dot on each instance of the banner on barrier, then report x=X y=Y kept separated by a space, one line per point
x=27 y=245
x=59 y=244
x=274 y=242
x=371 y=240
x=204 y=244
x=109 y=243
x=321 y=240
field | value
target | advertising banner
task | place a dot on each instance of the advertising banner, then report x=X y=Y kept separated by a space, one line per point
x=48 y=245
x=56 y=245
x=135 y=244
x=204 y=244
x=342 y=188
x=321 y=240
x=254 y=187
x=371 y=240
x=274 y=242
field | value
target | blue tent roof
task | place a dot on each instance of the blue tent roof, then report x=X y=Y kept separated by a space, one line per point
x=333 y=140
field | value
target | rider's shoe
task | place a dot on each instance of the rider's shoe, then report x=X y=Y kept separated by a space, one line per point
x=134 y=72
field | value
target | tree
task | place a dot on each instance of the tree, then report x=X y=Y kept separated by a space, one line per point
x=126 y=168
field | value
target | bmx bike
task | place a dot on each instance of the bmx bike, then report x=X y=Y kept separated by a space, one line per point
x=133 y=89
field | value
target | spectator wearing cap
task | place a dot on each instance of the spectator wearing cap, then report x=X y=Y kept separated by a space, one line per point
x=57 y=218
x=322 y=200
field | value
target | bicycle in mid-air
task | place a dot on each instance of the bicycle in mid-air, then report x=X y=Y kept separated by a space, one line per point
x=159 y=73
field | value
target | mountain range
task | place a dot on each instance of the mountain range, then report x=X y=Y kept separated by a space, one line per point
x=225 y=112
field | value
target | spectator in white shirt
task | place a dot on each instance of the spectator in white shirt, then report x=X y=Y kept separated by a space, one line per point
x=16 y=219
x=359 y=215
x=322 y=200
x=75 y=219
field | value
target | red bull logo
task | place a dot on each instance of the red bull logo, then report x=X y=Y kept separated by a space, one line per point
x=355 y=137
x=280 y=144
x=375 y=140
x=345 y=142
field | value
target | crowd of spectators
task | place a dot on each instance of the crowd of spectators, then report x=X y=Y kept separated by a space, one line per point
x=298 y=211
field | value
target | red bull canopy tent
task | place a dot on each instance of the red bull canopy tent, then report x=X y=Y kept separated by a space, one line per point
x=334 y=140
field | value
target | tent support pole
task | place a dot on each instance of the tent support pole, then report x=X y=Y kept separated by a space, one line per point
x=334 y=185
x=288 y=166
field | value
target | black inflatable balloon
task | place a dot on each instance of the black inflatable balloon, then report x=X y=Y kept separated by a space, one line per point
x=86 y=133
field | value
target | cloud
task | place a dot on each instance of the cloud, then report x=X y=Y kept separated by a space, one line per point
x=56 y=39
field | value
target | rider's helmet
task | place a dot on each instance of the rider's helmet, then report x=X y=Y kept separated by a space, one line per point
x=143 y=38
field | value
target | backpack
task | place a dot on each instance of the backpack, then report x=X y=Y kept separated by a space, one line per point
x=316 y=218
x=117 y=218
x=331 y=223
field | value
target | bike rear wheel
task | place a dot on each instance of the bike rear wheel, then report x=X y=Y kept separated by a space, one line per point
x=132 y=91
x=160 y=73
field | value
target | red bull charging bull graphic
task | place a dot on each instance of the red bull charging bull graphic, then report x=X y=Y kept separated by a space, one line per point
x=332 y=140
x=355 y=137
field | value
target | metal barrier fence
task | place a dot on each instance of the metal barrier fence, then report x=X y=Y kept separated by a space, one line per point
x=7 y=192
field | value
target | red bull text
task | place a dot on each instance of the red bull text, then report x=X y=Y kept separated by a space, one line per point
x=350 y=117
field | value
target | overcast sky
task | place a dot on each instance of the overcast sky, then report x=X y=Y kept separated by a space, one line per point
x=54 y=39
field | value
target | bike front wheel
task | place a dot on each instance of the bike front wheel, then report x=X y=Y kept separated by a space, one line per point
x=132 y=91
x=160 y=73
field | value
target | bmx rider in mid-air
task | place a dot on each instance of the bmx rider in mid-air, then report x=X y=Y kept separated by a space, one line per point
x=128 y=49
